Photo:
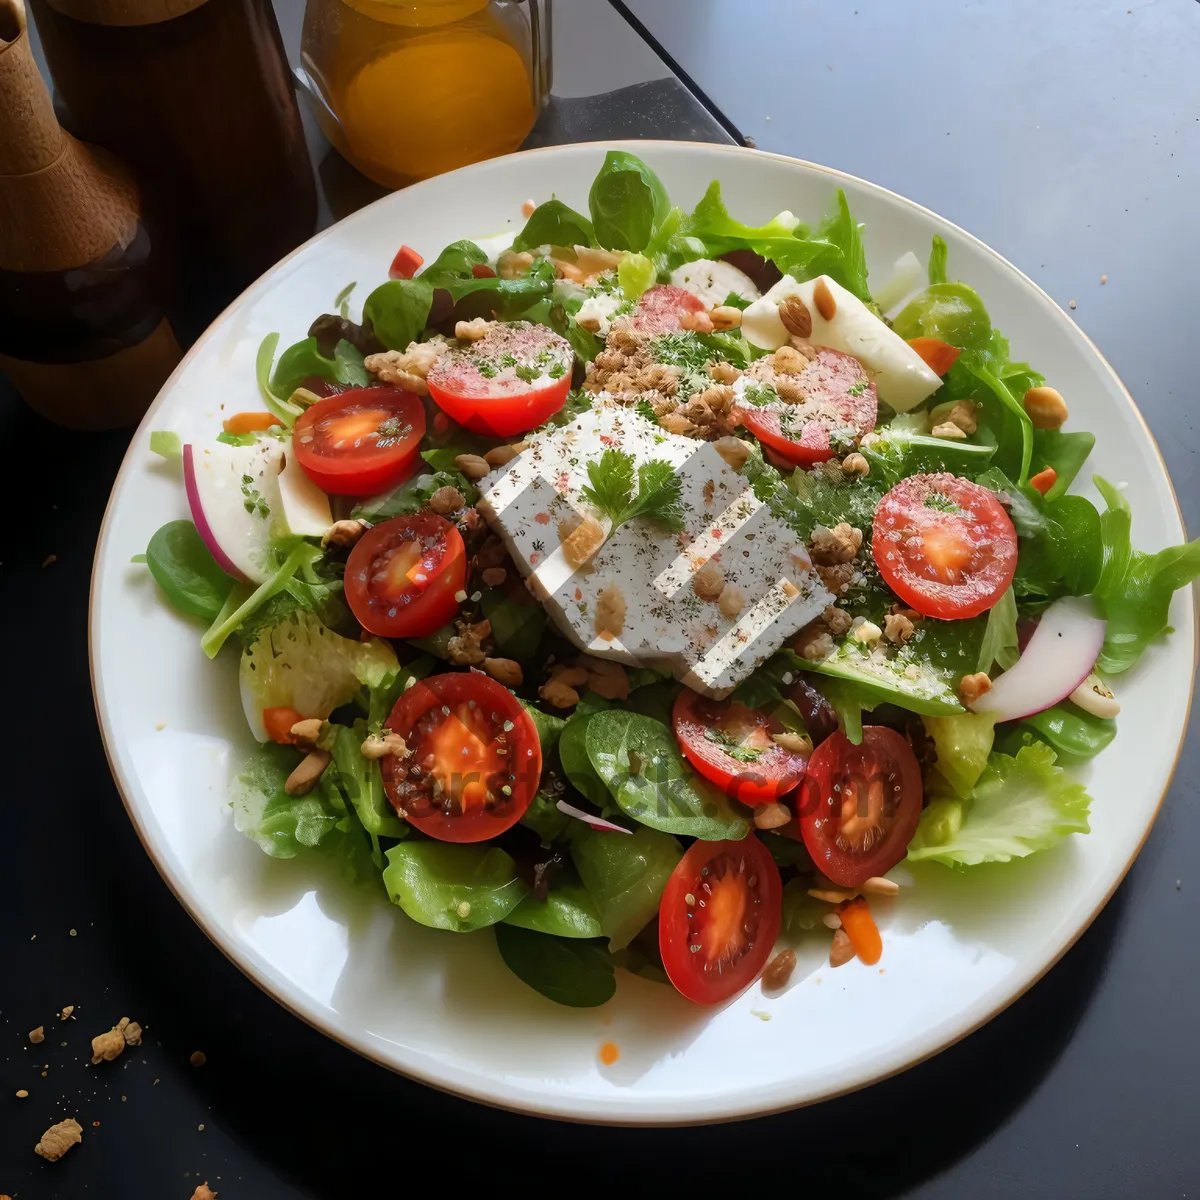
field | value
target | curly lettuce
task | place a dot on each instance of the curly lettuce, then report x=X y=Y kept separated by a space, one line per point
x=1020 y=805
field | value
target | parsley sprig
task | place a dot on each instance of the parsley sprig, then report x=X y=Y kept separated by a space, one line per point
x=659 y=495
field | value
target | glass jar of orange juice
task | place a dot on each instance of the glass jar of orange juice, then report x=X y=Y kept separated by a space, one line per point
x=406 y=89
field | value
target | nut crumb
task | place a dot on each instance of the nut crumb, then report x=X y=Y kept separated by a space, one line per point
x=198 y=1058
x=37 y=1035
x=779 y=969
x=1072 y=304
x=131 y=1031
x=21 y=1094
x=841 y=951
x=58 y=1139
x=50 y=558
x=65 y=1014
x=204 y=1192
x=107 y=1046
x=1103 y=280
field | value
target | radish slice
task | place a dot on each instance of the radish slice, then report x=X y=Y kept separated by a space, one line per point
x=233 y=492
x=1059 y=657
x=597 y=823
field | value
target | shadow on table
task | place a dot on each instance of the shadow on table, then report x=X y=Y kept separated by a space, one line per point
x=327 y=1120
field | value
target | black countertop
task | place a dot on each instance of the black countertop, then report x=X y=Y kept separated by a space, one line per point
x=1085 y=1086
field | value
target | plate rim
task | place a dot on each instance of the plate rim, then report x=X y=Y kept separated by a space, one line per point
x=587 y=1112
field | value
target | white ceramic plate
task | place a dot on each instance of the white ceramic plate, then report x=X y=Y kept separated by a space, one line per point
x=959 y=947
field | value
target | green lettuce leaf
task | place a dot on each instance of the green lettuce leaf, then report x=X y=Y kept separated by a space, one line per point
x=1135 y=588
x=937 y=260
x=1000 y=643
x=1019 y=806
x=963 y=743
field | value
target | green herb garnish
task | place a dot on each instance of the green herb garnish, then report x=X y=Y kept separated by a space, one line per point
x=659 y=492
x=732 y=746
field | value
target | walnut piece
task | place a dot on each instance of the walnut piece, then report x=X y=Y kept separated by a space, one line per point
x=898 y=628
x=204 y=1192
x=131 y=1031
x=472 y=331
x=58 y=1139
x=605 y=678
x=406 y=369
x=837 y=620
x=344 y=534
x=466 y=649
x=829 y=547
x=558 y=694
x=974 y=686
x=837 y=579
x=107 y=1046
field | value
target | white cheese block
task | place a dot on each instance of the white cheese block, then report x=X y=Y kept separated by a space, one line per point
x=600 y=307
x=712 y=281
x=666 y=625
x=901 y=375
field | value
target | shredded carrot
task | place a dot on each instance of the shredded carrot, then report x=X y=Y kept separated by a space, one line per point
x=609 y=1053
x=861 y=929
x=279 y=721
x=248 y=422
x=939 y=356
x=1043 y=481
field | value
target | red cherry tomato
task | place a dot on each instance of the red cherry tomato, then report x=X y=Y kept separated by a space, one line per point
x=838 y=402
x=719 y=918
x=731 y=745
x=402 y=576
x=474 y=759
x=361 y=442
x=944 y=545
x=406 y=263
x=507 y=382
x=859 y=805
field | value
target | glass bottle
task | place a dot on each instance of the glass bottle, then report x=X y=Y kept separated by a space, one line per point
x=82 y=332
x=406 y=89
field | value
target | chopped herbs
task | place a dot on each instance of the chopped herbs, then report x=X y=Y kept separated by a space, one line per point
x=731 y=746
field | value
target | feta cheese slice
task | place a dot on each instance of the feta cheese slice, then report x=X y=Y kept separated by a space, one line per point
x=902 y=377
x=536 y=501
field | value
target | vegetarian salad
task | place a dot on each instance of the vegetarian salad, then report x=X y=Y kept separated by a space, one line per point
x=644 y=585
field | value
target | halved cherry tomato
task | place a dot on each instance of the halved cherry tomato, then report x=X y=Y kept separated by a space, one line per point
x=731 y=745
x=839 y=400
x=944 y=545
x=1043 y=481
x=859 y=805
x=483 y=271
x=249 y=422
x=939 y=356
x=402 y=576
x=278 y=723
x=474 y=760
x=360 y=442
x=719 y=918
x=507 y=382
x=406 y=263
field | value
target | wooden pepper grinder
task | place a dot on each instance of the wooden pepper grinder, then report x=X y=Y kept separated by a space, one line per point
x=196 y=96
x=82 y=335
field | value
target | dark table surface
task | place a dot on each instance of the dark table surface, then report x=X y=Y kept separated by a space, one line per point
x=1069 y=140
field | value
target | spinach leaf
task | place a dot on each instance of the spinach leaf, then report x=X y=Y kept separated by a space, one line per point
x=555 y=224
x=348 y=366
x=1135 y=588
x=625 y=876
x=300 y=362
x=638 y=760
x=543 y=816
x=449 y=886
x=567 y=911
x=578 y=974
x=517 y=624
x=1072 y=733
x=186 y=571
x=1065 y=452
x=362 y=783
x=398 y=311
x=627 y=202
